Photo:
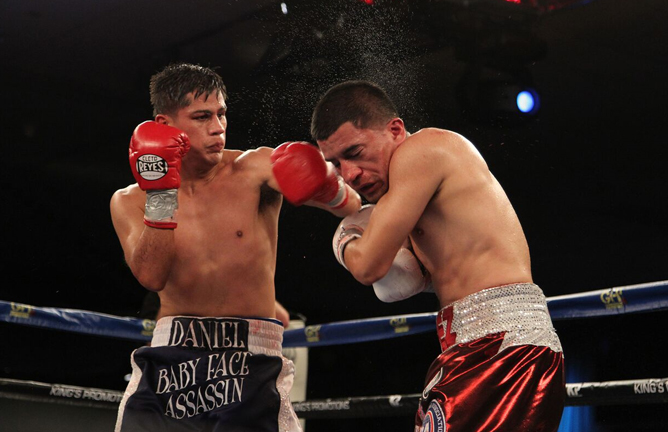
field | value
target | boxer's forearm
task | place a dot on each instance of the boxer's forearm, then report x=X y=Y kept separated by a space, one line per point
x=352 y=205
x=365 y=267
x=152 y=258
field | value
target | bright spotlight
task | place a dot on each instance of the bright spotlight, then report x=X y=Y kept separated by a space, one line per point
x=527 y=101
x=497 y=96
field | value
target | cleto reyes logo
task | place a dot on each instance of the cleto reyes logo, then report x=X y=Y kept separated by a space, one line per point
x=151 y=167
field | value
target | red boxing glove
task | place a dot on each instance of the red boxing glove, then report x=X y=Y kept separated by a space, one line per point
x=155 y=155
x=304 y=175
x=156 y=151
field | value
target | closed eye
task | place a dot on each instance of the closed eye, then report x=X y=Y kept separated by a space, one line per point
x=352 y=152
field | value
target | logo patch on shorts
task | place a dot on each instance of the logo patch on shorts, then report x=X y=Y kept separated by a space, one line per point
x=434 y=420
x=151 y=167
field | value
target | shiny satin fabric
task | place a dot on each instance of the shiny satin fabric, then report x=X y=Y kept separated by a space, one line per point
x=472 y=387
x=210 y=374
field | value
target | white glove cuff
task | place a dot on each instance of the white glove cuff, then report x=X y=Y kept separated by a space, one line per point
x=350 y=228
x=345 y=237
x=403 y=280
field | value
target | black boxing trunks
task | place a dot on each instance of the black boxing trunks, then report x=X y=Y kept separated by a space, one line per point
x=501 y=367
x=210 y=374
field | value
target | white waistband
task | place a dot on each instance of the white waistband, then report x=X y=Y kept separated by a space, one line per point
x=520 y=310
x=258 y=336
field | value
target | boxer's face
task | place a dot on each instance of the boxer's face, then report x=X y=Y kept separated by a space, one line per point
x=205 y=123
x=362 y=156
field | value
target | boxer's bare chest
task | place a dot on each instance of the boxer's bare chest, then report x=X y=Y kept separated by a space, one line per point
x=232 y=207
x=430 y=231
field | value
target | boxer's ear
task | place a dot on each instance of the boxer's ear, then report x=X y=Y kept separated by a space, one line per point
x=163 y=119
x=397 y=129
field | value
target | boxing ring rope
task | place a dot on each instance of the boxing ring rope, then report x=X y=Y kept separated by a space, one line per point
x=642 y=391
x=644 y=297
x=612 y=301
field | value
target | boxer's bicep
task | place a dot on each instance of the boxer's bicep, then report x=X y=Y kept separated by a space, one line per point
x=415 y=176
x=414 y=179
x=127 y=218
x=262 y=165
x=258 y=161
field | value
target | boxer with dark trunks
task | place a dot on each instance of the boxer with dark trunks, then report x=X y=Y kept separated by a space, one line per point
x=200 y=228
x=442 y=222
x=210 y=374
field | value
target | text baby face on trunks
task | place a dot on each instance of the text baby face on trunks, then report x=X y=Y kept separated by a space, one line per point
x=209 y=334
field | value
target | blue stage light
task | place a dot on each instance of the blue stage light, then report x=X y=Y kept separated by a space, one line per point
x=527 y=101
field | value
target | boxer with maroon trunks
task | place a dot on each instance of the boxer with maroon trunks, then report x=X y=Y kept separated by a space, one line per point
x=200 y=228
x=442 y=222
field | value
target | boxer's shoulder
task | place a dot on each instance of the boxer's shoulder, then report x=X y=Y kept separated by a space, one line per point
x=429 y=139
x=253 y=158
x=256 y=163
x=127 y=204
x=427 y=147
x=437 y=149
x=128 y=195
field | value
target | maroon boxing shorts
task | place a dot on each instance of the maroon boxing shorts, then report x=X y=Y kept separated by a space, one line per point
x=501 y=367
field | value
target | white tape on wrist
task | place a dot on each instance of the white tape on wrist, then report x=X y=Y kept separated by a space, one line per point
x=341 y=197
x=161 y=205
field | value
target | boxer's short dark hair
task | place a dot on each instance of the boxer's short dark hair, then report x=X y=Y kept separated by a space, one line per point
x=170 y=87
x=362 y=103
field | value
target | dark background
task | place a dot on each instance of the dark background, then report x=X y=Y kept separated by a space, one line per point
x=586 y=174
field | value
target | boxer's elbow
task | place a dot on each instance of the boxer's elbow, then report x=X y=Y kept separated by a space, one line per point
x=365 y=279
x=369 y=273
x=148 y=278
x=149 y=282
x=151 y=269
x=365 y=266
